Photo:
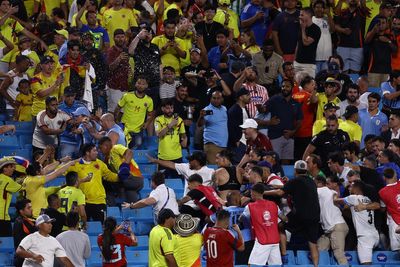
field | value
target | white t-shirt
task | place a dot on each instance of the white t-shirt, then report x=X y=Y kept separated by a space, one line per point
x=160 y=194
x=40 y=139
x=184 y=170
x=343 y=175
x=12 y=89
x=47 y=246
x=324 y=48
x=245 y=117
x=363 y=220
x=343 y=105
x=364 y=99
x=330 y=214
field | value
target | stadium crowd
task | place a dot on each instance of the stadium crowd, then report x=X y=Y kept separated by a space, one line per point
x=232 y=95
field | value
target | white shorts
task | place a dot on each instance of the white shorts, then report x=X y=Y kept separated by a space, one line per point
x=265 y=254
x=365 y=247
x=394 y=238
x=113 y=97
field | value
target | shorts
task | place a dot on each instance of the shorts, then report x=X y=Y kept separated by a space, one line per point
x=394 y=238
x=306 y=68
x=352 y=57
x=284 y=147
x=365 y=247
x=265 y=254
x=308 y=228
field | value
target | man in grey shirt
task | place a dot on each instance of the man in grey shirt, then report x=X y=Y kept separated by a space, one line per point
x=75 y=242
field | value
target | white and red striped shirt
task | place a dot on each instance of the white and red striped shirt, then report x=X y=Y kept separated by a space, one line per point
x=258 y=95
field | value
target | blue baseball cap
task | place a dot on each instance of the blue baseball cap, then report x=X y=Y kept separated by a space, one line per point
x=82 y=111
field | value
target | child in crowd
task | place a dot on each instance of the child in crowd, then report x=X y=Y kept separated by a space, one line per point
x=168 y=86
x=24 y=100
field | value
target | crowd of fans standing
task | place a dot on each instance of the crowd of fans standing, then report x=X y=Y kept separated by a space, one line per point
x=247 y=86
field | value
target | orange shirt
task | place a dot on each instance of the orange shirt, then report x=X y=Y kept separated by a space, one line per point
x=303 y=97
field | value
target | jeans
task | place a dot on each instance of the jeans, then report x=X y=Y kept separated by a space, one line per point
x=132 y=186
x=136 y=140
x=69 y=150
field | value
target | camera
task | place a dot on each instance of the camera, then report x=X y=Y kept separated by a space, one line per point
x=209 y=112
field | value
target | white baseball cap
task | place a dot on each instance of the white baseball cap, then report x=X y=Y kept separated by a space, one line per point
x=249 y=123
x=300 y=165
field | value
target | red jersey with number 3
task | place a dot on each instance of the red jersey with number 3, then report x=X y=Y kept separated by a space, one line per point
x=220 y=244
x=118 y=258
x=264 y=221
x=390 y=195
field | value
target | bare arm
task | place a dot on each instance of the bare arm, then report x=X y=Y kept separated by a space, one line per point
x=59 y=171
x=21 y=252
x=239 y=82
x=9 y=45
x=309 y=150
x=184 y=200
x=388 y=96
x=78 y=18
x=117 y=113
x=114 y=137
x=141 y=203
x=3 y=90
x=82 y=214
x=165 y=163
x=170 y=259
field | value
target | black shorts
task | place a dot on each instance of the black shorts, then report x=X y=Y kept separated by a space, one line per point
x=308 y=228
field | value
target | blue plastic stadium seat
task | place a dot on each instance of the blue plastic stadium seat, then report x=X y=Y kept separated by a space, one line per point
x=6 y=244
x=386 y=257
x=59 y=181
x=95 y=260
x=352 y=258
x=114 y=212
x=93 y=241
x=140 y=156
x=151 y=142
x=25 y=140
x=179 y=194
x=375 y=90
x=94 y=228
x=143 y=228
x=22 y=126
x=12 y=211
x=289 y=171
x=304 y=257
x=138 y=257
x=354 y=77
x=148 y=169
x=6 y=258
x=174 y=183
x=143 y=243
x=25 y=153
x=9 y=141
x=143 y=214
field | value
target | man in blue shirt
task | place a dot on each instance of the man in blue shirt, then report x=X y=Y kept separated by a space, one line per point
x=372 y=120
x=257 y=18
x=218 y=52
x=69 y=142
x=214 y=118
x=391 y=94
x=286 y=118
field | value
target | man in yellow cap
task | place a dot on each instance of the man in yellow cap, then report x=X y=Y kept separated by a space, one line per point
x=7 y=187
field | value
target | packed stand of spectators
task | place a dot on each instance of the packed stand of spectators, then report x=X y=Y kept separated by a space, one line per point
x=231 y=95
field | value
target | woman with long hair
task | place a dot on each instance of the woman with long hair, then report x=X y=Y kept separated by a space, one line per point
x=112 y=243
x=248 y=41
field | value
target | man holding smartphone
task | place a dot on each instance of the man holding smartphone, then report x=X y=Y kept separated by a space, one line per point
x=170 y=130
x=214 y=118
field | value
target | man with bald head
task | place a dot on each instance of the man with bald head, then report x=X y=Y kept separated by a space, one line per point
x=214 y=118
x=113 y=130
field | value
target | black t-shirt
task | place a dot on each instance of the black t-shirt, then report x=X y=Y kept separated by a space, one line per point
x=209 y=32
x=304 y=195
x=307 y=54
x=326 y=143
x=59 y=223
x=381 y=56
x=354 y=21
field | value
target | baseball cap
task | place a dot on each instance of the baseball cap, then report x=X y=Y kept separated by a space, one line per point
x=69 y=91
x=64 y=33
x=350 y=110
x=386 y=5
x=81 y=111
x=242 y=91
x=249 y=123
x=44 y=218
x=46 y=59
x=195 y=49
x=330 y=105
x=119 y=31
x=300 y=165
